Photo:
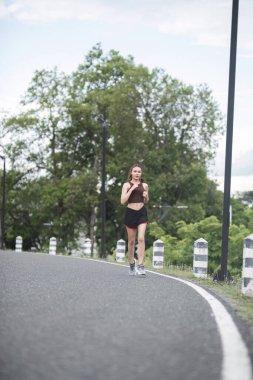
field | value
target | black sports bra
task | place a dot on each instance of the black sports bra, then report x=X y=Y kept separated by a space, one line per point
x=137 y=194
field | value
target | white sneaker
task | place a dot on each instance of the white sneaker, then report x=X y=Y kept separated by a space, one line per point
x=140 y=270
x=132 y=269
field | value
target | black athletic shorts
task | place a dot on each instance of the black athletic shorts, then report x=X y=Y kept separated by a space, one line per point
x=133 y=218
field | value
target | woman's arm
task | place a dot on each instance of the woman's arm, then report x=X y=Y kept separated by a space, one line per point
x=145 y=193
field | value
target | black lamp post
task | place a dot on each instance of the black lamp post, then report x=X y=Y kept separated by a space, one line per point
x=103 y=185
x=229 y=141
x=3 y=207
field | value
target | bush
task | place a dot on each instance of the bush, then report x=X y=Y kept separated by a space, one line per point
x=179 y=250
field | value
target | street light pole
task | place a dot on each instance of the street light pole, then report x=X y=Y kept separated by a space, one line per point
x=3 y=206
x=103 y=189
x=229 y=141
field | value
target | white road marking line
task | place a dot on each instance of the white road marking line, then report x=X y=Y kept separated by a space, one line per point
x=236 y=362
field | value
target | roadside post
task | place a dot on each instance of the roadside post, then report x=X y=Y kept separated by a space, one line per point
x=87 y=247
x=200 y=258
x=121 y=250
x=19 y=244
x=247 y=271
x=52 y=246
x=158 y=254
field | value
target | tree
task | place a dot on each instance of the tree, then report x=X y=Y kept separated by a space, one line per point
x=246 y=197
x=151 y=118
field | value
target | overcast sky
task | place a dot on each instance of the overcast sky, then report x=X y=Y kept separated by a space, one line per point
x=190 y=39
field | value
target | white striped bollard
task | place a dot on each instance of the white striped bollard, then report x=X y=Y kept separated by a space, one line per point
x=52 y=246
x=121 y=250
x=200 y=258
x=247 y=270
x=19 y=244
x=87 y=247
x=95 y=249
x=158 y=254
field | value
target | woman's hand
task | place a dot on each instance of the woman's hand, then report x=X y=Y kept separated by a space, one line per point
x=135 y=185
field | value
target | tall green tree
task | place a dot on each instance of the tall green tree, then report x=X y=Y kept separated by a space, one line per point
x=151 y=118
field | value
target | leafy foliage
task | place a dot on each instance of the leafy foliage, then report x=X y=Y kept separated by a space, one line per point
x=179 y=250
x=54 y=150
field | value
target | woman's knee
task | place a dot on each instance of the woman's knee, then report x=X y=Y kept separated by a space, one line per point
x=131 y=241
x=141 y=240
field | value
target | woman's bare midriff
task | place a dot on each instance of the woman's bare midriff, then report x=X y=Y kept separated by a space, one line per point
x=135 y=206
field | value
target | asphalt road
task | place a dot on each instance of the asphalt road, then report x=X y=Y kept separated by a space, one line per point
x=65 y=318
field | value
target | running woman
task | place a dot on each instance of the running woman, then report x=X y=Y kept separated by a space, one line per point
x=135 y=194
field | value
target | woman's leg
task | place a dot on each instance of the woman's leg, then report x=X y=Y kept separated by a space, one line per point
x=141 y=242
x=131 y=233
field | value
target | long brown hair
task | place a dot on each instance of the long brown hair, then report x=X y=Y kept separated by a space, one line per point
x=130 y=172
